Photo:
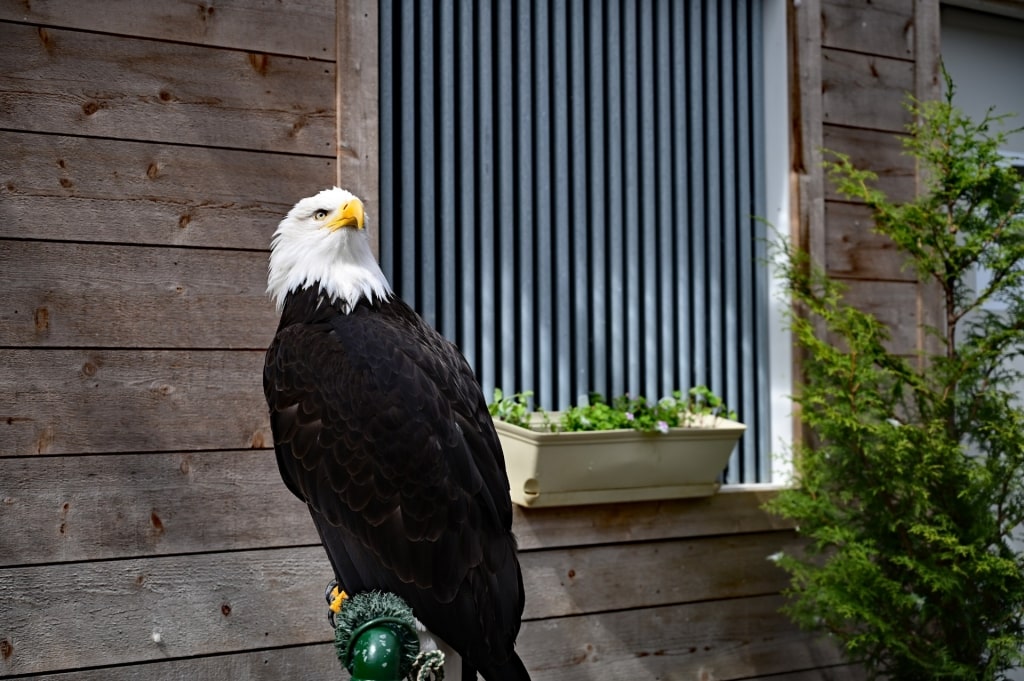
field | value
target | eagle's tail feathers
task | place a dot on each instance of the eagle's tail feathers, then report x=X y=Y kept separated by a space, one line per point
x=513 y=670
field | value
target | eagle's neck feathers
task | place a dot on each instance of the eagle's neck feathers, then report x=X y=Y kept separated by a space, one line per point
x=340 y=263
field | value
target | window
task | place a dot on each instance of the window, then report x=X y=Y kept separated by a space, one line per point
x=571 y=191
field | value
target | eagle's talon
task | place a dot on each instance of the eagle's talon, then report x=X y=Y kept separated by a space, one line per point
x=335 y=597
x=331 y=591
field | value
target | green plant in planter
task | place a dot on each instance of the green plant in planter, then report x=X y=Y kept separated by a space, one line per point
x=911 y=479
x=514 y=409
x=624 y=412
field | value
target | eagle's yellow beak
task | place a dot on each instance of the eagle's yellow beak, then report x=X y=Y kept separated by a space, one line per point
x=350 y=215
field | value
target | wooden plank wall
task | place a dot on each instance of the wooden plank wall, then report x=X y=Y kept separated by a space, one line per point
x=675 y=590
x=149 y=149
x=856 y=64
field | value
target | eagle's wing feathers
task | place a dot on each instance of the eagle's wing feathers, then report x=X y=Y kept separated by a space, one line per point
x=413 y=481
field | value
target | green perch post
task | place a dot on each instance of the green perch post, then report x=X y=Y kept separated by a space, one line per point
x=375 y=639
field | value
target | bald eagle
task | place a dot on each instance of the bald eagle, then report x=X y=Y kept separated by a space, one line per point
x=381 y=428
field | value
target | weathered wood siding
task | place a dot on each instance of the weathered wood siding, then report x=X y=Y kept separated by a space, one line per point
x=215 y=557
x=148 y=151
x=856 y=64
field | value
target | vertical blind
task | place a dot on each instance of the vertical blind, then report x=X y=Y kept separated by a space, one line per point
x=569 y=191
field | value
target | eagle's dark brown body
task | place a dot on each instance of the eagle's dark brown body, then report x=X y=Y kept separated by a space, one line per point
x=381 y=428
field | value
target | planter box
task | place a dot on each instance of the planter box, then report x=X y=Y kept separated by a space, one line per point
x=563 y=469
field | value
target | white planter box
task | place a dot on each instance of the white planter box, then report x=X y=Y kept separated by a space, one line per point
x=563 y=469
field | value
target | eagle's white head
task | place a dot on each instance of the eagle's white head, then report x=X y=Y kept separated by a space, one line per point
x=323 y=239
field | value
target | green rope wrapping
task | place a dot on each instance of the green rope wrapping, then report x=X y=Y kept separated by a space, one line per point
x=367 y=608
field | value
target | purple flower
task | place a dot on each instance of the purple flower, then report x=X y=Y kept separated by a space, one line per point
x=629 y=416
x=662 y=426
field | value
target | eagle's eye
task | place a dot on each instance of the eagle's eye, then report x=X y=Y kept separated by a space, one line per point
x=319 y=214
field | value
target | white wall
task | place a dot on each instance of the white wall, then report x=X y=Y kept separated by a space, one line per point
x=984 y=54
